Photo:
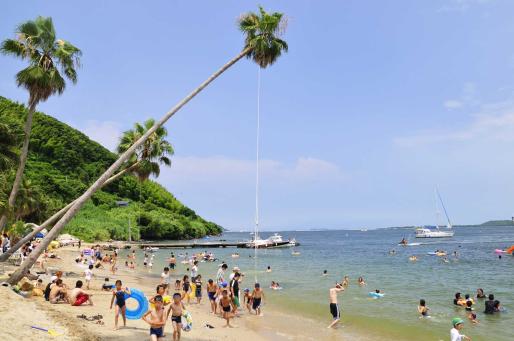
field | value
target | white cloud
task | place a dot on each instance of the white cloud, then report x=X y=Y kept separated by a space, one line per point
x=107 y=133
x=468 y=97
x=452 y=104
x=461 y=5
x=220 y=168
x=494 y=121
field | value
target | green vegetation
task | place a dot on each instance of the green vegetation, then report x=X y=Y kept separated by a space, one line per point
x=63 y=162
x=498 y=223
x=49 y=60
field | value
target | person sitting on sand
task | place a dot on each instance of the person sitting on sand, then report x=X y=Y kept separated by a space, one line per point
x=176 y=309
x=107 y=286
x=423 y=309
x=227 y=306
x=257 y=298
x=472 y=316
x=118 y=295
x=156 y=319
x=334 y=307
x=361 y=281
x=58 y=293
x=78 y=296
x=455 y=334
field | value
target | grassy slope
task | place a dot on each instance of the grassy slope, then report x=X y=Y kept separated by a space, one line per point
x=63 y=162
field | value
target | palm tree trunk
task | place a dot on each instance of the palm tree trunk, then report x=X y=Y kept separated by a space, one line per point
x=21 y=166
x=5 y=256
x=27 y=264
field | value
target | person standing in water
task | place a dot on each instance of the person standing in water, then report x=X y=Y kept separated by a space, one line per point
x=334 y=307
x=455 y=334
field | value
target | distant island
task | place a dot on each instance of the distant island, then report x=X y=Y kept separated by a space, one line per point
x=508 y=222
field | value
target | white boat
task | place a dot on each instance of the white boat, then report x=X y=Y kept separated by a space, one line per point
x=425 y=232
x=273 y=241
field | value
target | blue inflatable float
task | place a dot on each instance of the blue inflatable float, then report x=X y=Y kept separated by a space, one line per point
x=142 y=304
x=375 y=294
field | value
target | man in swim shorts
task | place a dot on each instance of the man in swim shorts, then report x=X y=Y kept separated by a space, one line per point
x=176 y=309
x=156 y=319
x=78 y=296
x=334 y=307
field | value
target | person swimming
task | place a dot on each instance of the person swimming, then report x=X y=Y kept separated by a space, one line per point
x=472 y=316
x=423 y=309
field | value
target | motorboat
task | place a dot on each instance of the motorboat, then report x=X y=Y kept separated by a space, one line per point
x=274 y=241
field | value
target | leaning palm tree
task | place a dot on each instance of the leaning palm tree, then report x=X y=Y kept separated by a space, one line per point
x=262 y=45
x=145 y=161
x=48 y=57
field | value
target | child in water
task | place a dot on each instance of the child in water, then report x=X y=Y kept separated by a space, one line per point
x=118 y=294
x=247 y=300
x=423 y=309
x=257 y=297
x=472 y=316
x=361 y=281
x=156 y=319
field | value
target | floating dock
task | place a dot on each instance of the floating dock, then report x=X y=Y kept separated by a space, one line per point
x=206 y=245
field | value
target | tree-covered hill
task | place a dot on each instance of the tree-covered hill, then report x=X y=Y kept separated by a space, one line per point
x=63 y=162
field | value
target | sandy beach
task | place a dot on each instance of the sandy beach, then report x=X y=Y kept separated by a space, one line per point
x=21 y=313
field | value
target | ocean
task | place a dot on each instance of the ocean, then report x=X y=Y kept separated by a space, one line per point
x=358 y=253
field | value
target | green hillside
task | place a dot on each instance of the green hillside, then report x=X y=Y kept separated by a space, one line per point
x=63 y=162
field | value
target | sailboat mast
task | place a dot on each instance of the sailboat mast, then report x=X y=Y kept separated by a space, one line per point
x=444 y=208
x=256 y=229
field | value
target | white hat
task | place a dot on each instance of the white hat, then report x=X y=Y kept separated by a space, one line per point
x=53 y=278
x=236 y=268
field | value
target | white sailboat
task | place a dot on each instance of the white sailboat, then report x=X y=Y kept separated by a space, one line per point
x=425 y=232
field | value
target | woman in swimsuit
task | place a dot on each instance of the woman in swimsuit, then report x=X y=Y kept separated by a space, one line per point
x=186 y=288
x=119 y=295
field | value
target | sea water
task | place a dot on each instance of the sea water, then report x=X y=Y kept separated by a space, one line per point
x=358 y=253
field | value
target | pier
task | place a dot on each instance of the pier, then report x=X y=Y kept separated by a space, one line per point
x=205 y=245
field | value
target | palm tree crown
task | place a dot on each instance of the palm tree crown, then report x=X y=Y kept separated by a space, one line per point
x=37 y=43
x=262 y=36
x=150 y=155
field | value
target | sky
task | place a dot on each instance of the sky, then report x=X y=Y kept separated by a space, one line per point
x=375 y=104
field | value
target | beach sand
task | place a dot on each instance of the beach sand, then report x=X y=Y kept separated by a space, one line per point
x=20 y=313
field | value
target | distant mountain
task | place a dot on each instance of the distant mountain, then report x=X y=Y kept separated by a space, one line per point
x=498 y=223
